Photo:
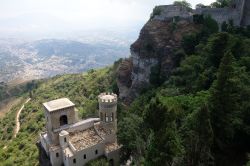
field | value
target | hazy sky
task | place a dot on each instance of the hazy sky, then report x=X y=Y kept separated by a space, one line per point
x=23 y=16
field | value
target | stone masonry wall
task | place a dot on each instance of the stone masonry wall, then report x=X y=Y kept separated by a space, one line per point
x=221 y=14
x=246 y=13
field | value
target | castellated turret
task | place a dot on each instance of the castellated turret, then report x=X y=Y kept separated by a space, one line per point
x=72 y=142
x=108 y=111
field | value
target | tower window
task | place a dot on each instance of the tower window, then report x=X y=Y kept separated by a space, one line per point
x=65 y=140
x=84 y=156
x=96 y=151
x=101 y=116
x=57 y=154
x=112 y=117
x=74 y=161
x=63 y=120
x=106 y=117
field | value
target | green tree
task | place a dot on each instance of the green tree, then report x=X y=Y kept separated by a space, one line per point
x=183 y=3
x=224 y=26
x=156 y=12
x=164 y=145
x=223 y=102
x=198 y=138
x=217 y=46
x=129 y=129
x=221 y=3
x=189 y=42
x=210 y=26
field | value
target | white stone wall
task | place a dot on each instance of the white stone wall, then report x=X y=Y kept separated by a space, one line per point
x=56 y=136
x=108 y=110
x=53 y=122
x=56 y=157
x=44 y=143
x=90 y=155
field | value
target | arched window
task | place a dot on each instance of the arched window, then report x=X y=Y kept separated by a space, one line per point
x=63 y=120
x=106 y=117
x=112 y=117
x=101 y=116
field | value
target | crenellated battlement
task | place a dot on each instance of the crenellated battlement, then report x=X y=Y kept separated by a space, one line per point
x=107 y=98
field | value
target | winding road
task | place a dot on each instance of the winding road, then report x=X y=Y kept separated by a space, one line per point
x=17 y=128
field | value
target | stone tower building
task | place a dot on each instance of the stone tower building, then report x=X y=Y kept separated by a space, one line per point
x=70 y=142
x=108 y=111
x=57 y=114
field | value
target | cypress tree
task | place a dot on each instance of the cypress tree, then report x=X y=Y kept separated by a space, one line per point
x=223 y=101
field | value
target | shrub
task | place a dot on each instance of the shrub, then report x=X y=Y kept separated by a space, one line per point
x=156 y=12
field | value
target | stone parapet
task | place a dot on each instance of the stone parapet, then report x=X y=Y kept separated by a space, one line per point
x=107 y=98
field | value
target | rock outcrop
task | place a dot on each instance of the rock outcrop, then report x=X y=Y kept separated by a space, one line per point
x=161 y=38
x=157 y=44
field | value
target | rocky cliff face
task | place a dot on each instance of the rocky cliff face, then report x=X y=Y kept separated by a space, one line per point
x=157 y=45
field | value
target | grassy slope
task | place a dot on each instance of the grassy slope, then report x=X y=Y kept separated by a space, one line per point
x=82 y=89
x=6 y=105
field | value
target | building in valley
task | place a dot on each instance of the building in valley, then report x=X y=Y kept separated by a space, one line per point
x=69 y=141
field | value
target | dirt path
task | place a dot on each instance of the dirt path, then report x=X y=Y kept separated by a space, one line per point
x=17 y=128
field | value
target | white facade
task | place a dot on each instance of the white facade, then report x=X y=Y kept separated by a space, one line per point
x=70 y=142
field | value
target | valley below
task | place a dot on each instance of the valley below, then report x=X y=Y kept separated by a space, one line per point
x=21 y=61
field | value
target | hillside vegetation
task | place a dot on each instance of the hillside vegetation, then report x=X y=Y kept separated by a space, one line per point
x=200 y=115
x=82 y=89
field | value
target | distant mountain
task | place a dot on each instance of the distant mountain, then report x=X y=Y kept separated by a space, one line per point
x=49 y=57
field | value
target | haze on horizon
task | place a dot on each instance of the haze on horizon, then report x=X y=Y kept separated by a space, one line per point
x=62 y=18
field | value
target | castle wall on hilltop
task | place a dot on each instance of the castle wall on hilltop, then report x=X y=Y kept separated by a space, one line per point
x=239 y=12
x=221 y=14
x=170 y=11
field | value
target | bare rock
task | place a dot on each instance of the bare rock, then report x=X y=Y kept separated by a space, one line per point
x=156 y=45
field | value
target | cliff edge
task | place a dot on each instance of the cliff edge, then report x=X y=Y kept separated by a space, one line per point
x=160 y=39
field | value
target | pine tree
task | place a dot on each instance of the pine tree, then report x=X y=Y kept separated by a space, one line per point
x=199 y=139
x=223 y=101
x=205 y=133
